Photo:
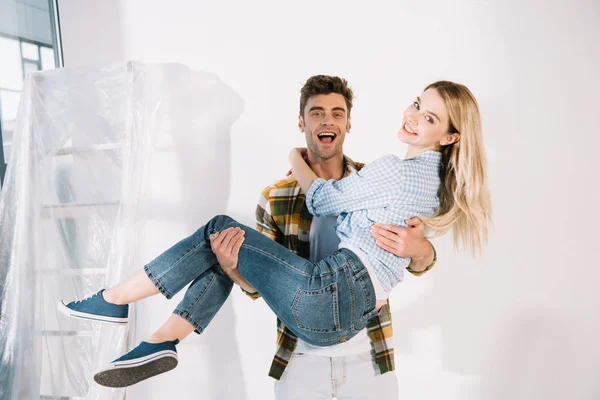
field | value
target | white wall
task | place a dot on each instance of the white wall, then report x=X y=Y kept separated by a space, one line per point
x=519 y=324
x=92 y=32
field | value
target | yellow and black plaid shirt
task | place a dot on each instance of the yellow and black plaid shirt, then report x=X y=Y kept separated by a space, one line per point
x=282 y=215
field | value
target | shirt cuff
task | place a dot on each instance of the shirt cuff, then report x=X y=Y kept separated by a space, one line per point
x=316 y=185
x=253 y=296
x=419 y=273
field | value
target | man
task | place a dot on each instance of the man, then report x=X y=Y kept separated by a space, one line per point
x=362 y=367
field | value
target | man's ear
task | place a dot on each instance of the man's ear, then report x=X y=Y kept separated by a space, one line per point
x=301 y=123
x=348 y=125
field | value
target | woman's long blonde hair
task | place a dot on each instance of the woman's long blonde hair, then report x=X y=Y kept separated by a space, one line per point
x=465 y=202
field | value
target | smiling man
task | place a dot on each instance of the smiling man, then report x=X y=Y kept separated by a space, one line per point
x=325 y=124
x=363 y=366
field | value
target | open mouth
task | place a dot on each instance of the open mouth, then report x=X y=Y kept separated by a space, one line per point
x=407 y=129
x=327 y=137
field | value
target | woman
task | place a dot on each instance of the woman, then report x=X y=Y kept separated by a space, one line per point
x=441 y=180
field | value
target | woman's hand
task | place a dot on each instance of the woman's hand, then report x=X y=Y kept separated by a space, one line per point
x=294 y=153
x=299 y=152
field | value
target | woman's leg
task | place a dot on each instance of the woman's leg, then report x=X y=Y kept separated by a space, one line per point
x=202 y=301
x=158 y=353
x=321 y=303
x=137 y=287
x=170 y=272
x=292 y=286
x=174 y=328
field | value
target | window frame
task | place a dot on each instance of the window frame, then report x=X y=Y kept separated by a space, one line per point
x=58 y=63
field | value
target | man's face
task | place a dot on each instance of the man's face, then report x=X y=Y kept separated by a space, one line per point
x=324 y=124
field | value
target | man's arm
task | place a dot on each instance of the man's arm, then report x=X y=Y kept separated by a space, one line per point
x=407 y=242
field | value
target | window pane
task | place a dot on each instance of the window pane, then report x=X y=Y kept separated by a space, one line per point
x=30 y=67
x=48 y=58
x=11 y=72
x=28 y=37
x=30 y=51
x=9 y=101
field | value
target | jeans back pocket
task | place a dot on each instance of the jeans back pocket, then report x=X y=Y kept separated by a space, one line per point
x=317 y=310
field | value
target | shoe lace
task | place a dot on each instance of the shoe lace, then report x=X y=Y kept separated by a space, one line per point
x=89 y=297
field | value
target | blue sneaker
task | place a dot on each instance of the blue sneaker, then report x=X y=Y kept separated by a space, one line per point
x=143 y=362
x=95 y=308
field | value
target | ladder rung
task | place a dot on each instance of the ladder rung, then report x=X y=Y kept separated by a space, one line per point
x=74 y=210
x=87 y=149
x=103 y=147
x=65 y=333
x=73 y=271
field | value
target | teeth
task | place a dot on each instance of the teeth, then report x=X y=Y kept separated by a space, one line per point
x=408 y=128
x=326 y=134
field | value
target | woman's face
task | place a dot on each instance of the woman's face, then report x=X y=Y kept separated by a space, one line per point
x=426 y=122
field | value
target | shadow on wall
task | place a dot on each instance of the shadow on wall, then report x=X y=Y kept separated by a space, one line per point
x=523 y=320
x=189 y=184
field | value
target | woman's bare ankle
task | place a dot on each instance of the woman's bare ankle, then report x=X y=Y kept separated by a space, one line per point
x=159 y=338
x=110 y=296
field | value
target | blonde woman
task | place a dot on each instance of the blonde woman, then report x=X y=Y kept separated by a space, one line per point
x=441 y=180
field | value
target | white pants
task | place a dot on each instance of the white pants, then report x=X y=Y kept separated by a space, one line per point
x=309 y=377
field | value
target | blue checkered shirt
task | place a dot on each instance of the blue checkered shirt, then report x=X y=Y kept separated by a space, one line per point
x=389 y=190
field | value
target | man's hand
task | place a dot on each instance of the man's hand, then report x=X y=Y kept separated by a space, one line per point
x=226 y=246
x=405 y=242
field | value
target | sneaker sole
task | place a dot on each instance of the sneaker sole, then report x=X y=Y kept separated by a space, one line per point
x=123 y=375
x=62 y=307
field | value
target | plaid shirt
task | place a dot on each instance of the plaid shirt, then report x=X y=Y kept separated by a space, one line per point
x=283 y=216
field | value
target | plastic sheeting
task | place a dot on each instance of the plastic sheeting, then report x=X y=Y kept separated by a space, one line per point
x=70 y=210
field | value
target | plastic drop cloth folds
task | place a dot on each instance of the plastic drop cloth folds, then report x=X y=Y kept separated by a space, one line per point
x=70 y=209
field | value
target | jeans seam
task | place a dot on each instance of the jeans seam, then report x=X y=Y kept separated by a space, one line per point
x=180 y=259
x=257 y=250
x=201 y=294
x=333 y=340
x=350 y=282
x=344 y=372
x=333 y=373
x=157 y=282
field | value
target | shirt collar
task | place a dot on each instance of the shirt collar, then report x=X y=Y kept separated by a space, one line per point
x=429 y=157
x=349 y=166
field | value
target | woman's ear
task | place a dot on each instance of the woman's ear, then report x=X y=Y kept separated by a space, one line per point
x=450 y=139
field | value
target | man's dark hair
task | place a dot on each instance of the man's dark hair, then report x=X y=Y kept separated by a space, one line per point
x=325 y=84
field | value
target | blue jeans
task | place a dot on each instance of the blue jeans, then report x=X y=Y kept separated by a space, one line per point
x=322 y=303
